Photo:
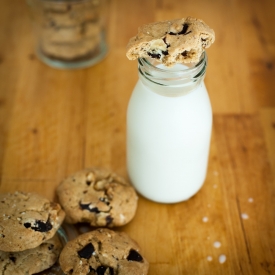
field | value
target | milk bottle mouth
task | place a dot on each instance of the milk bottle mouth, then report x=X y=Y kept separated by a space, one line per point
x=150 y=71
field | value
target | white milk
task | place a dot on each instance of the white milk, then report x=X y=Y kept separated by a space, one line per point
x=168 y=140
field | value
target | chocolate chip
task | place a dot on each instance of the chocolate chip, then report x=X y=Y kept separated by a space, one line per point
x=134 y=256
x=164 y=52
x=164 y=40
x=13 y=259
x=86 y=252
x=40 y=226
x=109 y=220
x=102 y=269
x=85 y=206
x=95 y=209
x=88 y=182
x=27 y=224
x=154 y=55
x=183 y=31
x=185 y=53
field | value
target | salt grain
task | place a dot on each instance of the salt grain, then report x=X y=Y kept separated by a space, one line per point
x=222 y=259
x=217 y=244
x=205 y=219
x=209 y=258
x=250 y=200
x=215 y=173
x=245 y=216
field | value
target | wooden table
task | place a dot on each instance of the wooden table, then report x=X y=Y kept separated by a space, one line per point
x=55 y=122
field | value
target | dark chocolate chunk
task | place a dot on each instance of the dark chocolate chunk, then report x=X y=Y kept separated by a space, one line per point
x=86 y=206
x=27 y=224
x=109 y=220
x=88 y=182
x=183 y=31
x=102 y=269
x=13 y=259
x=154 y=55
x=185 y=53
x=40 y=226
x=86 y=252
x=164 y=52
x=95 y=209
x=134 y=256
x=164 y=40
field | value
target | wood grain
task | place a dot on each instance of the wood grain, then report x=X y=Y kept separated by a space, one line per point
x=55 y=122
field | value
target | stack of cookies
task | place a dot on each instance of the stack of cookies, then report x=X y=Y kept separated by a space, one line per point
x=29 y=242
x=71 y=30
x=102 y=199
x=30 y=225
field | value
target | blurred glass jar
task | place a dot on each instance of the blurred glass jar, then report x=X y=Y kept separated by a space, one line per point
x=70 y=33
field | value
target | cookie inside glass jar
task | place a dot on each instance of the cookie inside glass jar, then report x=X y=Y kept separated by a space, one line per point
x=70 y=33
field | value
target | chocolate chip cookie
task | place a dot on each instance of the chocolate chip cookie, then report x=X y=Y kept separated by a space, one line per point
x=98 y=197
x=32 y=260
x=71 y=30
x=103 y=252
x=170 y=42
x=27 y=220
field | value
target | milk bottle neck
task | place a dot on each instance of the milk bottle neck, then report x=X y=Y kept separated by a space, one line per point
x=175 y=81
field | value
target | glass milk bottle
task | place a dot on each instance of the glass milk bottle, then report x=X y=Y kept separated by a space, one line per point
x=169 y=121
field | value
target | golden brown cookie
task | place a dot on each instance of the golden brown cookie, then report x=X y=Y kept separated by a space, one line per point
x=170 y=42
x=33 y=260
x=98 y=197
x=71 y=30
x=27 y=220
x=105 y=252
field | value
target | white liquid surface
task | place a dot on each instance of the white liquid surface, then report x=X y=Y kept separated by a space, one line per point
x=168 y=142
